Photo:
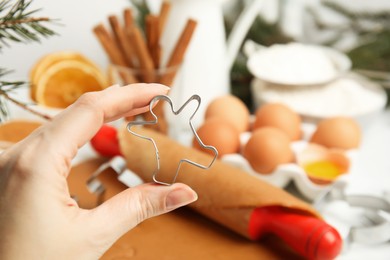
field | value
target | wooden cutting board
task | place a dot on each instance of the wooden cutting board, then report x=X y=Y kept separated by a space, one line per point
x=14 y=131
x=182 y=234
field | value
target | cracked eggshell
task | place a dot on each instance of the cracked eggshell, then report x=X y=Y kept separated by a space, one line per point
x=316 y=153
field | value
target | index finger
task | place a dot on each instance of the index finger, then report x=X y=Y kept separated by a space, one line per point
x=77 y=124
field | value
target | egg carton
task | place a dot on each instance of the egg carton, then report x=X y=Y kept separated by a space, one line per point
x=284 y=174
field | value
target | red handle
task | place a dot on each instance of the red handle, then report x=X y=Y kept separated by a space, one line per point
x=105 y=142
x=307 y=235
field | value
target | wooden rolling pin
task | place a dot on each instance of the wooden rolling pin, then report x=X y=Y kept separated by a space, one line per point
x=233 y=198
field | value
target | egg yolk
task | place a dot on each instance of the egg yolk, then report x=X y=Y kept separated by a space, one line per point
x=323 y=169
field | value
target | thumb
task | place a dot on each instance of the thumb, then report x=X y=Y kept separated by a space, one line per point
x=127 y=209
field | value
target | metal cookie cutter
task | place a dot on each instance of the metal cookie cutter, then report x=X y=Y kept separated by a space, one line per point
x=118 y=165
x=376 y=211
x=155 y=121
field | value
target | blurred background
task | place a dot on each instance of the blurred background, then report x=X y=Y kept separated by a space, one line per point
x=358 y=29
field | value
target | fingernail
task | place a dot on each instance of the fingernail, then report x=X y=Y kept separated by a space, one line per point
x=180 y=197
x=166 y=88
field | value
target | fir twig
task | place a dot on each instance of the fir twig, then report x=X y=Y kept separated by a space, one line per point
x=380 y=17
x=25 y=106
x=8 y=86
x=17 y=25
x=8 y=24
x=357 y=20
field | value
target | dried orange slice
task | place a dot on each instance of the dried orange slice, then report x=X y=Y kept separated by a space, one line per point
x=49 y=60
x=64 y=82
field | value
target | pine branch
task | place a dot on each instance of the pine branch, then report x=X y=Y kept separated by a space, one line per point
x=24 y=106
x=8 y=85
x=380 y=17
x=357 y=21
x=17 y=25
x=8 y=24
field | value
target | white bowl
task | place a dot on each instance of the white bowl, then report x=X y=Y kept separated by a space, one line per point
x=297 y=64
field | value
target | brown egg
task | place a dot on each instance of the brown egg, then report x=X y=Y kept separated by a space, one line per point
x=231 y=109
x=267 y=148
x=220 y=134
x=337 y=132
x=279 y=116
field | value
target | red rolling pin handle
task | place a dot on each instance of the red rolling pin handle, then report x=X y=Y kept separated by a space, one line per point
x=105 y=142
x=309 y=236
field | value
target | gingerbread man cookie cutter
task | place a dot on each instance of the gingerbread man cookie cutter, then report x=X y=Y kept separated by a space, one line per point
x=374 y=227
x=155 y=121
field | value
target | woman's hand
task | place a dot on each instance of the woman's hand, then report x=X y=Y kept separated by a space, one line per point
x=39 y=219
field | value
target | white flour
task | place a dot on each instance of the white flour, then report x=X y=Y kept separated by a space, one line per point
x=293 y=63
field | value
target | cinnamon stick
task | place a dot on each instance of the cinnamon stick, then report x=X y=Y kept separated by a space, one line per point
x=153 y=36
x=128 y=18
x=143 y=55
x=121 y=40
x=128 y=28
x=113 y=52
x=162 y=20
x=179 y=51
x=109 y=45
x=163 y=16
